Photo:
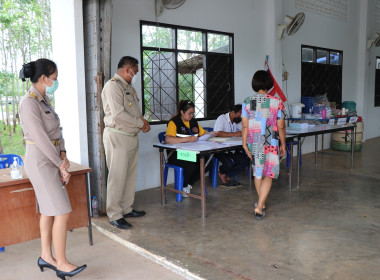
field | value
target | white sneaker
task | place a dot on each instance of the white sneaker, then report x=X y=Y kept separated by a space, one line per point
x=187 y=190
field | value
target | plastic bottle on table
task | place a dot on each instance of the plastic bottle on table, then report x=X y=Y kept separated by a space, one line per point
x=15 y=169
x=95 y=209
x=323 y=114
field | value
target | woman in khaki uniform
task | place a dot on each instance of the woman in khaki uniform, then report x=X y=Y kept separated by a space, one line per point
x=46 y=164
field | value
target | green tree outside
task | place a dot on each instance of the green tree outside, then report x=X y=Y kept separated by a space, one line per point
x=25 y=35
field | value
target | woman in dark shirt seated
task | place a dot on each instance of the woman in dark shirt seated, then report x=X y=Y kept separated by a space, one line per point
x=184 y=128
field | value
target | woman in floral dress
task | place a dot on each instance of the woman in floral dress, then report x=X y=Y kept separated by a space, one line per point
x=263 y=136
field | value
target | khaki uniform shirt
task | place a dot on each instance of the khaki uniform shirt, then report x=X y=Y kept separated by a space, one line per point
x=121 y=106
x=41 y=124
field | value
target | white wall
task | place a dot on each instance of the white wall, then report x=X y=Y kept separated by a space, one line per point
x=348 y=36
x=253 y=23
x=322 y=31
x=244 y=18
x=68 y=53
x=372 y=123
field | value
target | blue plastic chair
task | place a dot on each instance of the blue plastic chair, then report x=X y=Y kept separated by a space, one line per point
x=178 y=171
x=288 y=155
x=6 y=160
x=213 y=173
x=209 y=129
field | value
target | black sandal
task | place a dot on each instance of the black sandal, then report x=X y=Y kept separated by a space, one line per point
x=259 y=216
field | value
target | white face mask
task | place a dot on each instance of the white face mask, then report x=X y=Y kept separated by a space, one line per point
x=134 y=78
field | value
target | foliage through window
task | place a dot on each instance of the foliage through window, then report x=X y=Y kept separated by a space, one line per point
x=185 y=63
x=321 y=73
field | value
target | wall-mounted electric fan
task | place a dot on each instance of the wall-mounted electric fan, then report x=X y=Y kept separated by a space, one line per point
x=167 y=4
x=292 y=24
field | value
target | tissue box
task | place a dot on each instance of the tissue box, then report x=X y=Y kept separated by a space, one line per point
x=299 y=126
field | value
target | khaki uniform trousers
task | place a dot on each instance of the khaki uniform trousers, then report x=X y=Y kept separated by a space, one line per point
x=121 y=157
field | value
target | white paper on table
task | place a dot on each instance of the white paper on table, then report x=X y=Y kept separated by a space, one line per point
x=220 y=139
x=198 y=146
x=294 y=131
x=233 y=142
x=204 y=137
x=341 y=121
x=353 y=119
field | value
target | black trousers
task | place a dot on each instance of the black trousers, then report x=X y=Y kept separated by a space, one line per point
x=233 y=162
x=191 y=171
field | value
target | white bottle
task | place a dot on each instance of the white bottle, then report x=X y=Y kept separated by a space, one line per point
x=15 y=170
x=95 y=210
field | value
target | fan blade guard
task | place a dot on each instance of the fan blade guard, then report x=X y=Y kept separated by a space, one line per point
x=172 y=4
x=295 y=24
x=377 y=40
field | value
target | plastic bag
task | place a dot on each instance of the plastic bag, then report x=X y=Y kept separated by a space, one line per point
x=320 y=103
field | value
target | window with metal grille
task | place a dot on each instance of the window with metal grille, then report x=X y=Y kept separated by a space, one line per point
x=321 y=73
x=185 y=63
x=377 y=82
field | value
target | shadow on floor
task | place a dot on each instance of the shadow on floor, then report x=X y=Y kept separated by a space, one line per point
x=329 y=228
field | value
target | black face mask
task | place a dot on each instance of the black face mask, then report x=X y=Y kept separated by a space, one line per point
x=237 y=120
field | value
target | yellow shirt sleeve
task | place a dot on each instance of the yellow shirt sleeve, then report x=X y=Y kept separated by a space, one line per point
x=172 y=129
x=201 y=130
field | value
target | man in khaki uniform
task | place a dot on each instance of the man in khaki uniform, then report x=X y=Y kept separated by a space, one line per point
x=123 y=121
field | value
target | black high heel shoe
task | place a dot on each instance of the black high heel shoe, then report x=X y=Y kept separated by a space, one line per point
x=41 y=263
x=61 y=274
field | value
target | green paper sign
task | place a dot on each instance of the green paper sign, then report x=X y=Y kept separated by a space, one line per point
x=187 y=155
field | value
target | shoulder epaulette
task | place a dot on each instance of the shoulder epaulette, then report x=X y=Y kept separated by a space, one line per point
x=114 y=79
x=35 y=96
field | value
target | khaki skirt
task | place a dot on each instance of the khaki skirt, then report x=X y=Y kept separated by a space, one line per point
x=51 y=195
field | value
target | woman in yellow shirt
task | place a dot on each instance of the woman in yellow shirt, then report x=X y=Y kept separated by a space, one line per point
x=184 y=128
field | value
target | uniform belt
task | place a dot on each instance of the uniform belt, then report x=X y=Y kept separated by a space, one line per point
x=55 y=142
x=120 y=131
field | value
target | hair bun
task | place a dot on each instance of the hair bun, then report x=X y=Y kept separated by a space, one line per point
x=27 y=70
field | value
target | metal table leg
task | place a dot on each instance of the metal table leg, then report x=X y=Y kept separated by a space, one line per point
x=316 y=149
x=352 y=147
x=323 y=140
x=290 y=163
x=202 y=175
x=298 y=161
x=162 y=164
x=89 y=209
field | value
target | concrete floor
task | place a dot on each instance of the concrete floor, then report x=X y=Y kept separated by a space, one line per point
x=106 y=259
x=329 y=228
